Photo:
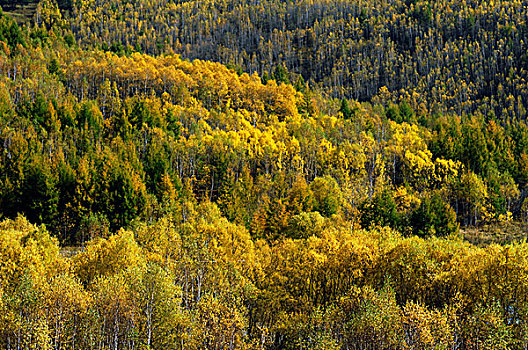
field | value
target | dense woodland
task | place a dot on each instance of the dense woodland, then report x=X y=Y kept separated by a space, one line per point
x=458 y=55
x=152 y=198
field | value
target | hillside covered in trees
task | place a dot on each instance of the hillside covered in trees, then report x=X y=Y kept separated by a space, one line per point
x=465 y=56
x=153 y=198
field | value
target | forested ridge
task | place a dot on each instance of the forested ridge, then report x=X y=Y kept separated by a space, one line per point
x=153 y=198
x=454 y=55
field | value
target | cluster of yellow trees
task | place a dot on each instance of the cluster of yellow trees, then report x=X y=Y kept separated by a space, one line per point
x=228 y=138
x=205 y=284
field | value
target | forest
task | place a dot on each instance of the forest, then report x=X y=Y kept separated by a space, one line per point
x=263 y=175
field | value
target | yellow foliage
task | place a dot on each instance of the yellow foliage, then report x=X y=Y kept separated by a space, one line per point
x=105 y=257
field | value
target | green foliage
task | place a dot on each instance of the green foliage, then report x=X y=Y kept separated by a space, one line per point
x=345 y=109
x=380 y=210
x=326 y=195
x=434 y=217
x=10 y=33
